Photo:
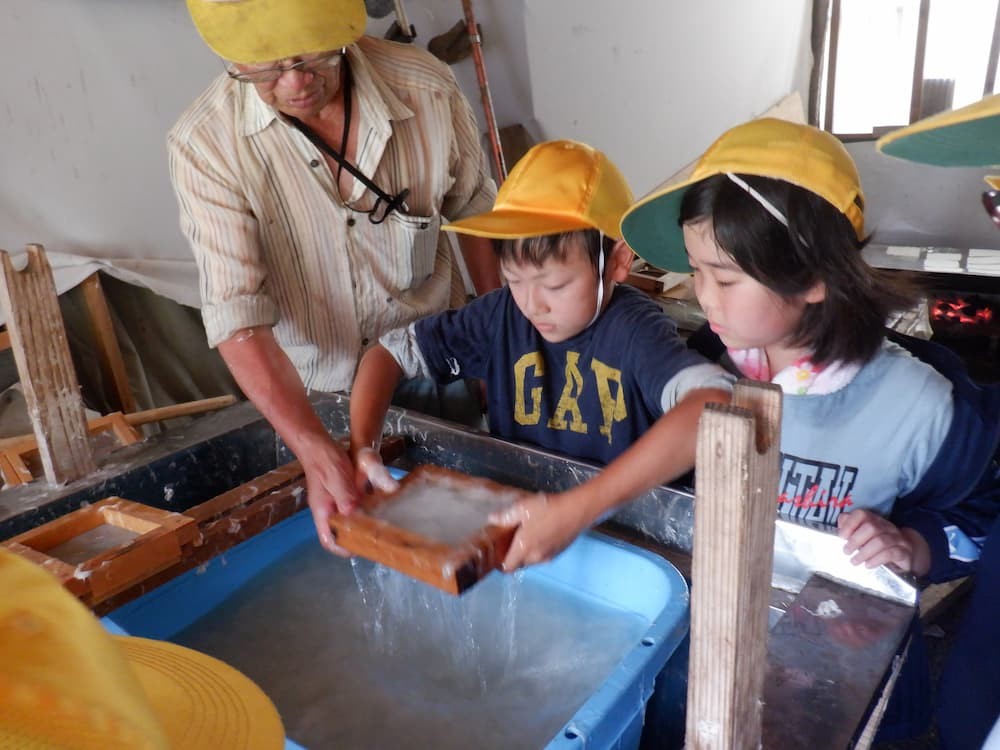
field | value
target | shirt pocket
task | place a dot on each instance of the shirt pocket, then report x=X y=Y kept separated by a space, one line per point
x=417 y=240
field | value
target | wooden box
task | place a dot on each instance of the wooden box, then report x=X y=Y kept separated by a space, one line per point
x=103 y=548
x=433 y=528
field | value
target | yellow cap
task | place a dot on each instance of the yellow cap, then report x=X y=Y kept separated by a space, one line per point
x=965 y=137
x=66 y=683
x=800 y=154
x=256 y=31
x=557 y=186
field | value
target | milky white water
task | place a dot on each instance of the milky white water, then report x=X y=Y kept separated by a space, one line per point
x=358 y=656
x=441 y=508
x=91 y=543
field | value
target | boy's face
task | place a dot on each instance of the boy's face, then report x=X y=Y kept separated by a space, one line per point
x=559 y=298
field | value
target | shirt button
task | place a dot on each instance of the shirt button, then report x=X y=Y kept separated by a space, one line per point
x=351 y=222
x=314 y=163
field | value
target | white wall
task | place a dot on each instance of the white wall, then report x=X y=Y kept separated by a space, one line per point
x=653 y=82
x=92 y=86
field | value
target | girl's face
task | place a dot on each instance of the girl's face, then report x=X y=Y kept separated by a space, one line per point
x=740 y=310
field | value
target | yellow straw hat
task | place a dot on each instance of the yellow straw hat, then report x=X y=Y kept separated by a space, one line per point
x=255 y=31
x=557 y=186
x=767 y=147
x=66 y=684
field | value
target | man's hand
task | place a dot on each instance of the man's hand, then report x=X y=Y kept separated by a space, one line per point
x=874 y=541
x=330 y=489
x=545 y=527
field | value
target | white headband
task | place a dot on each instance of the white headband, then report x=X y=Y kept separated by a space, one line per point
x=600 y=279
x=768 y=206
x=764 y=202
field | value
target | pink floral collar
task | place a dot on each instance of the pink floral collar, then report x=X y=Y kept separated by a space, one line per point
x=800 y=377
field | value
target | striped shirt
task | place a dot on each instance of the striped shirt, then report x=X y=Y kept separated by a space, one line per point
x=276 y=246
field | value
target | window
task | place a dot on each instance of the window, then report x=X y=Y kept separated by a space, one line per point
x=887 y=63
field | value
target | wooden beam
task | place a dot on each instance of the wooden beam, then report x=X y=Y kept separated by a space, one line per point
x=45 y=368
x=109 y=353
x=736 y=492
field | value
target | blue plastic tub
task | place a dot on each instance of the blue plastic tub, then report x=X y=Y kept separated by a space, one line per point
x=595 y=571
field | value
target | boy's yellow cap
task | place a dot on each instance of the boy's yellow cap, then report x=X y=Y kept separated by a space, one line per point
x=67 y=683
x=557 y=186
x=256 y=31
x=800 y=154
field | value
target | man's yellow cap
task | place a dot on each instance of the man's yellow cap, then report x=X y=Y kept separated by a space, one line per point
x=557 y=186
x=66 y=683
x=768 y=147
x=256 y=31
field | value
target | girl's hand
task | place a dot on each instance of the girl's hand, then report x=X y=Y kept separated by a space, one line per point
x=545 y=527
x=874 y=541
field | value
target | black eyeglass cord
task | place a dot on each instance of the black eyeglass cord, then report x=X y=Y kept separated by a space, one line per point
x=392 y=202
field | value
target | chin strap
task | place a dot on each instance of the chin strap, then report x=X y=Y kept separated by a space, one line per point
x=600 y=281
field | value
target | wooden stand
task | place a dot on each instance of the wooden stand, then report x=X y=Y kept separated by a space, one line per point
x=452 y=568
x=735 y=507
x=17 y=452
x=45 y=367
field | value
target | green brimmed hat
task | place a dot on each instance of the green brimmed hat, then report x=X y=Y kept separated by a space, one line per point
x=965 y=137
x=768 y=147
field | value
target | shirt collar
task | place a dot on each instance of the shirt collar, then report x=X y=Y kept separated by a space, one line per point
x=379 y=103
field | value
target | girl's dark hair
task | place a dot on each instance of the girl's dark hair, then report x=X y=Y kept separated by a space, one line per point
x=537 y=250
x=819 y=245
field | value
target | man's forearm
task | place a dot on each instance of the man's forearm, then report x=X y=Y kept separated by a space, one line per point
x=268 y=378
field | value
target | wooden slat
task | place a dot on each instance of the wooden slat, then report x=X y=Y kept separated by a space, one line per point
x=45 y=368
x=735 y=495
x=109 y=353
x=25 y=443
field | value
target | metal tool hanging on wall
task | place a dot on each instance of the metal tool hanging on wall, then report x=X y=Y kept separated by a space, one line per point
x=461 y=40
x=401 y=29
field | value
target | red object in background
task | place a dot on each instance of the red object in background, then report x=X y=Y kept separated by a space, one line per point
x=957 y=309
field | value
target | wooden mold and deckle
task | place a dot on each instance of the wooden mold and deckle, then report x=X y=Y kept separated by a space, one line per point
x=414 y=529
x=106 y=547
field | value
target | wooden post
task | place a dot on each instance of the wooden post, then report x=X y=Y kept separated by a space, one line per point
x=45 y=368
x=109 y=353
x=736 y=490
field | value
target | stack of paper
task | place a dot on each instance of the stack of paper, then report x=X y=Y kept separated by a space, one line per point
x=984 y=261
x=943 y=261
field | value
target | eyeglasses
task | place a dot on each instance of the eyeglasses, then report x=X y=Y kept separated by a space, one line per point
x=269 y=75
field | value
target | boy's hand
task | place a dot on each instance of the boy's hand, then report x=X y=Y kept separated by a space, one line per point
x=874 y=541
x=371 y=472
x=545 y=527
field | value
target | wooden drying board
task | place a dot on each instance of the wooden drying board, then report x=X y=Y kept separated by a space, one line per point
x=161 y=534
x=734 y=509
x=451 y=568
x=45 y=367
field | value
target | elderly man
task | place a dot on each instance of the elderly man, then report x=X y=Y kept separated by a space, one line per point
x=312 y=178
